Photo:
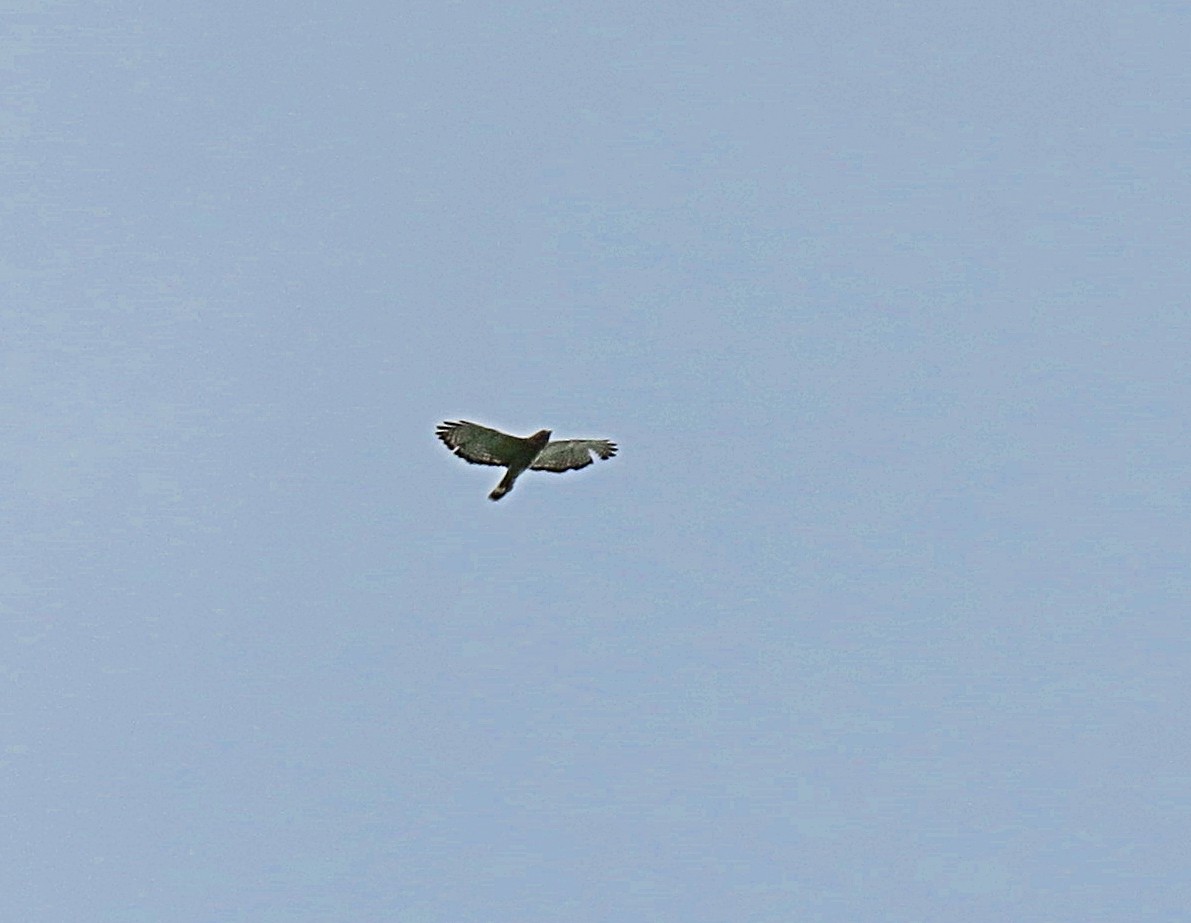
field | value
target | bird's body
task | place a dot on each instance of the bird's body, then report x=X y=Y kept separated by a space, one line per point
x=483 y=446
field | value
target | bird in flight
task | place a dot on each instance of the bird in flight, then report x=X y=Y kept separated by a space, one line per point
x=483 y=446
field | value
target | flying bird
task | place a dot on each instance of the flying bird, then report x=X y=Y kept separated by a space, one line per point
x=483 y=446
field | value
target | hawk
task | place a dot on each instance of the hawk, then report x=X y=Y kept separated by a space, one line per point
x=483 y=446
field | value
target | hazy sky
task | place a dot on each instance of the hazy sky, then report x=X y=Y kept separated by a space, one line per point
x=881 y=614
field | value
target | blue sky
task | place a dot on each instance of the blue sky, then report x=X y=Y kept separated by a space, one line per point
x=879 y=615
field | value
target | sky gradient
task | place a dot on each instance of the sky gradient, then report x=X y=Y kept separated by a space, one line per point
x=880 y=614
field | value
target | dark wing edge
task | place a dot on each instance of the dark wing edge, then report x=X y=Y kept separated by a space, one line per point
x=476 y=444
x=572 y=454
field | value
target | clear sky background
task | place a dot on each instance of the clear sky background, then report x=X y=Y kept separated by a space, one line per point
x=881 y=614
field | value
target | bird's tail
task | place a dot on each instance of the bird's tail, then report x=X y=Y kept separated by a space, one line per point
x=505 y=485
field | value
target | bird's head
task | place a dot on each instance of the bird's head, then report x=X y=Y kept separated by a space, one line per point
x=540 y=438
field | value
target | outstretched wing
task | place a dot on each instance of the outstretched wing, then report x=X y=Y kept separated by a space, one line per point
x=569 y=454
x=479 y=444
